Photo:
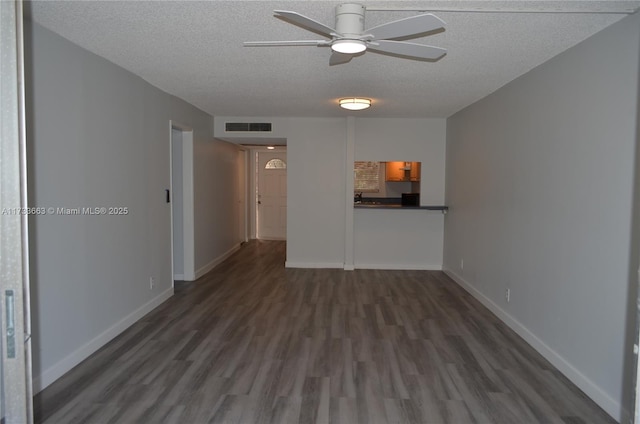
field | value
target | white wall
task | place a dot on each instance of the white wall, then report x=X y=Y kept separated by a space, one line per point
x=99 y=136
x=407 y=239
x=279 y=127
x=316 y=149
x=398 y=239
x=539 y=182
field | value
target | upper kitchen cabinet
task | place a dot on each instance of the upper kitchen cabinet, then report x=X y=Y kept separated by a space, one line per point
x=402 y=171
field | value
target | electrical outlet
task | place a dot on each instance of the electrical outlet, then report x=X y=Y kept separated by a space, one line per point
x=152 y=283
x=461 y=263
x=507 y=295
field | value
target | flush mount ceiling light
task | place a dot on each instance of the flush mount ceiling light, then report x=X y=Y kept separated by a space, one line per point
x=348 y=46
x=270 y=147
x=355 y=103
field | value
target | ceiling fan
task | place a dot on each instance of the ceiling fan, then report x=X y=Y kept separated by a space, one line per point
x=349 y=37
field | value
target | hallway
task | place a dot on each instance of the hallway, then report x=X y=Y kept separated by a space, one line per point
x=253 y=342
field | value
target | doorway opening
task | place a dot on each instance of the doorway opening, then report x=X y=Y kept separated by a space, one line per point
x=271 y=194
x=180 y=195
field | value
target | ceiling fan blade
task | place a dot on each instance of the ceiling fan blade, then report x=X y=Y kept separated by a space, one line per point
x=406 y=27
x=409 y=50
x=286 y=43
x=305 y=22
x=339 y=58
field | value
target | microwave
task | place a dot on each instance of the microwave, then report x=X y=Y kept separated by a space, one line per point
x=410 y=199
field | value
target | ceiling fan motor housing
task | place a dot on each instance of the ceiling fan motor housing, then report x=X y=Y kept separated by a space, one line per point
x=350 y=20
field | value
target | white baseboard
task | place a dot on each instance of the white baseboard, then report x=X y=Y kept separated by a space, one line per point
x=599 y=396
x=178 y=277
x=336 y=265
x=396 y=267
x=66 y=364
x=329 y=265
x=217 y=261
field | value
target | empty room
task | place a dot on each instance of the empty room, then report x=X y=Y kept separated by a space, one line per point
x=320 y=212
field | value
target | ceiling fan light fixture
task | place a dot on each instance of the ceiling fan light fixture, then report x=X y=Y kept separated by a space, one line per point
x=355 y=103
x=348 y=46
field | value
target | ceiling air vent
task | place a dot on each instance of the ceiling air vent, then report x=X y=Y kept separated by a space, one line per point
x=247 y=126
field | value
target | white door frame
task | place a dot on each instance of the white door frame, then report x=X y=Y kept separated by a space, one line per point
x=15 y=313
x=253 y=186
x=188 y=226
x=252 y=200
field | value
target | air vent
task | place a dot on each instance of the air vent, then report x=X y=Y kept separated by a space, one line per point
x=247 y=126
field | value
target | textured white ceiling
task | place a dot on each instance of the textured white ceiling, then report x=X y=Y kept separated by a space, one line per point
x=194 y=51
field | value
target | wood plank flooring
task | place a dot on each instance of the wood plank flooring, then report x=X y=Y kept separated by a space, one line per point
x=253 y=342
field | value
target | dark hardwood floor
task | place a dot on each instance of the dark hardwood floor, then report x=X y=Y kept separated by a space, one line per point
x=253 y=342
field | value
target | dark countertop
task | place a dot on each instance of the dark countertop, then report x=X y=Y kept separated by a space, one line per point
x=392 y=203
x=366 y=205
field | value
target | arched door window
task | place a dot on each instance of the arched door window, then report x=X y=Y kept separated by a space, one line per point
x=276 y=164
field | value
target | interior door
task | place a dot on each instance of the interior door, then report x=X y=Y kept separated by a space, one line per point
x=15 y=370
x=272 y=195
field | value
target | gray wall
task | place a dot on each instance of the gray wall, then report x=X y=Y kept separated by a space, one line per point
x=539 y=182
x=99 y=136
x=631 y=378
x=176 y=202
x=216 y=202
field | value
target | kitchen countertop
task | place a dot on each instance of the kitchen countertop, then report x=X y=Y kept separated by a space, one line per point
x=367 y=205
x=392 y=203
